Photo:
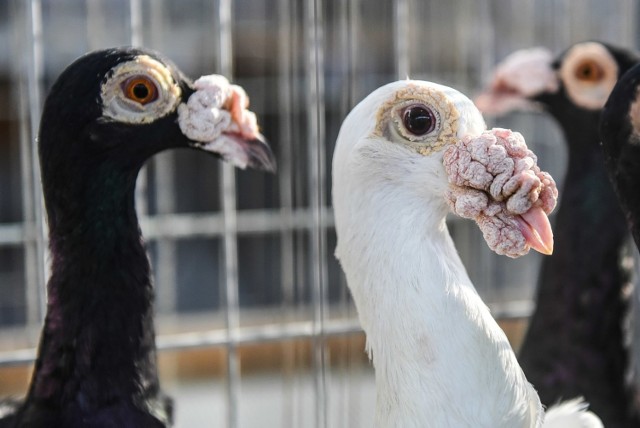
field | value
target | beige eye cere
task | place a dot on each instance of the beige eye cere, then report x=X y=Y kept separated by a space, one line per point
x=589 y=72
x=139 y=91
x=415 y=115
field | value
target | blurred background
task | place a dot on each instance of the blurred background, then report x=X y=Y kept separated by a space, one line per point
x=255 y=323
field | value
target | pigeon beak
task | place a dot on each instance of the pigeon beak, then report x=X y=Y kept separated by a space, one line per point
x=215 y=119
x=536 y=229
x=241 y=151
x=517 y=80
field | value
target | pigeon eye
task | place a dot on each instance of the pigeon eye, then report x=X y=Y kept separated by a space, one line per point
x=140 y=89
x=419 y=120
x=589 y=71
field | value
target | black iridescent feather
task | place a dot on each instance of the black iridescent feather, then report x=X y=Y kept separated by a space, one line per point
x=621 y=143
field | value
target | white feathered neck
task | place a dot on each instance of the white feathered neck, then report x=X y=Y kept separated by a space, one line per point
x=440 y=358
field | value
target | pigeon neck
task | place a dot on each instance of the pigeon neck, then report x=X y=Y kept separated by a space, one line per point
x=588 y=194
x=583 y=291
x=626 y=175
x=584 y=153
x=98 y=341
x=438 y=354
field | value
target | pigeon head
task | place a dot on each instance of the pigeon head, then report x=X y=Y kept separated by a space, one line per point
x=398 y=134
x=571 y=86
x=121 y=106
x=414 y=144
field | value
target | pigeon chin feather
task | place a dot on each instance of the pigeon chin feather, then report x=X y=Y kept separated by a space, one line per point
x=495 y=181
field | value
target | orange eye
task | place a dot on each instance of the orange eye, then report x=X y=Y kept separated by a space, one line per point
x=589 y=71
x=140 y=89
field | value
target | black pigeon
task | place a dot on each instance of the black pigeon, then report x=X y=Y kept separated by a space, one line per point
x=577 y=342
x=620 y=131
x=108 y=113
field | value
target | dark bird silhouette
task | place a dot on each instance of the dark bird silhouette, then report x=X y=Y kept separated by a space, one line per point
x=106 y=114
x=577 y=344
x=620 y=131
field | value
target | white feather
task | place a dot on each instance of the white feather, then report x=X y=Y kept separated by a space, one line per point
x=441 y=360
x=571 y=414
x=6 y=409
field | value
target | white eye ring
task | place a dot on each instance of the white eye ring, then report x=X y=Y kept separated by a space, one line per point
x=120 y=102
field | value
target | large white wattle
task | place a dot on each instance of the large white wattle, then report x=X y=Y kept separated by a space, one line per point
x=440 y=358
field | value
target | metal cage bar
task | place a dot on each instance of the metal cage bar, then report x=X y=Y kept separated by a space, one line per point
x=223 y=21
x=35 y=254
x=315 y=117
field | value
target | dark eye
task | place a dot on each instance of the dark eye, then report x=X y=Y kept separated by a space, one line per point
x=418 y=120
x=589 y=71
x=140 y=89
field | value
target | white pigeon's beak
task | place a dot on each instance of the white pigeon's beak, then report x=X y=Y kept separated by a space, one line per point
x=517 y=80
x=536 y=229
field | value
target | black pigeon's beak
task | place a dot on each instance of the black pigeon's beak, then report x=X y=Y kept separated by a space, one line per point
x=243 y=152
x=215 y=119
x=257 y=151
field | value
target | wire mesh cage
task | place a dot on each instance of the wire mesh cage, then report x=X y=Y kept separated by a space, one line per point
x=254 y=320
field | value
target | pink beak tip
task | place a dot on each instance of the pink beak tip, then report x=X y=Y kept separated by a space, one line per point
x=536 y=229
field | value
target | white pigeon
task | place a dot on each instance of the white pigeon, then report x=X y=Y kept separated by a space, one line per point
x=440 y=358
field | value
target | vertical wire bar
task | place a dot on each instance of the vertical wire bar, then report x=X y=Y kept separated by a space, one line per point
x=401 y=38
x=485 y=29
x=36 y=292
x=353 y=26
x=464 y=47
x=232 y=306
x=347 y=31
x=487 y=59
x=354 y=48
x=627 y=13
x=301 y=256
x=26 y=178
x=164 y=179
x=95 y=24
x=561 y=29
x=136 y=39
x=285 y=182
x=135 y=22
x=315 y=113
x=300 y=186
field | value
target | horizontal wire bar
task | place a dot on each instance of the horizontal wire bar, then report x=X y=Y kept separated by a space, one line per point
x=248 y=221
x=257 y=334
x=190 y=225
x=19 y=357
x=15 y=234
x=272 y=332
x=197 y=225
x=219 y=338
